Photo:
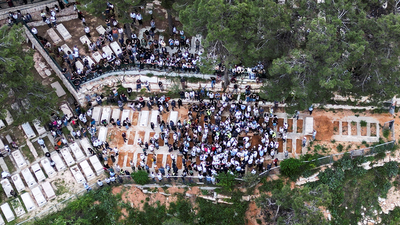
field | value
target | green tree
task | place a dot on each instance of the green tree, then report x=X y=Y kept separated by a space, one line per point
x=226 y=181
x=140 y=177
x=291 y=167
x=26 y=98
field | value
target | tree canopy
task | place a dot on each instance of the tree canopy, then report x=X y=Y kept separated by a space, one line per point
x=26 y=98
x=311 y=50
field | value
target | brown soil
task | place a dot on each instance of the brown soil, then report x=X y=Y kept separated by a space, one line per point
x=131 y=138
x=253 y=213
x=159 y=160
x=280 y=148
x=255 y=140
x=141 y=135
x=179 y=162
x=353 y=128
x=299 y=126
x=289 y=146
x=135 y=118
x=373 y=129
x=345 y=128
x=165 y=117
x=150 y=160
x=121 y=157
x=363 y=131
x=290 y=125
x=324 y=127
x=138 y=160
x=130 y=157
x=336 y=128
x=298 y=146
x=280 y=122
x=169 y=160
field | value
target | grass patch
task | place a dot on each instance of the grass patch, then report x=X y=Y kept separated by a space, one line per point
x=353 y=123
x=60 y=185
x=339 y=147
x=10 y=164
x=363 y=123
x=48 y=144
x=28 y=154
x=386 y=133
x=65 y=131
x=38 y=149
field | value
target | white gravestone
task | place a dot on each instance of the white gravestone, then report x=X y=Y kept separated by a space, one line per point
x=59 y=90
x=76 y=150
x=63 y=31
x=66 y=49
x=66 y=110
x=9 y=118
x=58 y=161
x=173 y=116
x=97 y=56
x=7 y=212
x=54 y=36
x=2 y=125
x=107 y=50
x=115 y=47
x=69 y=160
x=100 y=29
x=28 y=130
x=154 y=115
x=84 y=39
x=90 y=60
x=87 y=170
x=144 y=118
x=28 y=202
x=48 y=190
x=126 y=114
x=39 y=197
x=98 y=168
x=28 y=177
x=19 y=185
x=103 y=134
x=78 y=175
x=116 y=113
x=106 y=114
x=85 y=144
x=96 y=115
x=38 y=172
x=79 y=65
x=48 y=168
x=39 y=128
x=309 y=126
x=5 y=183
x=18 y=158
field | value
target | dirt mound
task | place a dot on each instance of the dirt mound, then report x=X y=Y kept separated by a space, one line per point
x=324 y=127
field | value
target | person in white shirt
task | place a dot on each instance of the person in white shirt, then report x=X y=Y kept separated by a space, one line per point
x=139 y=19
x=87 y=31
x=133 y=16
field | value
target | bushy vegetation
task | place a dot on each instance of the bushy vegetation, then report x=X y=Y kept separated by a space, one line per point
x=140 y=177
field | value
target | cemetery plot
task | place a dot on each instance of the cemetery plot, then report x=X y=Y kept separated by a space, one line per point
x=28 y=177
x=58 y=161
x=87 y=170
x=77 y=174
x=19 y=159
x=67 y=156
x=98 y=168
x=5 y=183
x=39 y=197
x=19 y=185
x=7 y=212
x=48 y=190
x=76 y=150
x=38 y=172
x=28 y=130
x=28 y=202
x=63 y=31
x=48 y=168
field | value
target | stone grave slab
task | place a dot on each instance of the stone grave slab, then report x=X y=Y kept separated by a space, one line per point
x=116 y=113
x=100 y=29
x=28 y=130
x=107 y=50
x=69 y=160
x=19 y=185
x=2 y=221
x=48 y=168
x=76 y=150
x=9 y=139
x=66 y=110
x=9 y=118
x=309 y=125
x=3 y=165
x=126 y=113
x=106 y=114
x=79 y=65
x=8 y=213
x=173 y=116
x=103 y=134
x=37 y=170
x=32 y=148
x=5 y=183
x=90 y=60
x=85 y=144
x=19 y=159
x=76 y=172
x=47 y=72
x=39 y=128
x=58 y=161
x=38 y=195
x=98 y=168
x=115 y=47
x=59 y=90
x=17 y=206
x=48 y=190
x=63 y=31
x=96 y=114
x=84 y=39
x=2 y=146
x=97 y=56
x=2 y=125
x=66 y=49
x=154 y=114
x=87 y=170
x=54 y=36
x=28 y=177
x=144 y=118
x=28 y=202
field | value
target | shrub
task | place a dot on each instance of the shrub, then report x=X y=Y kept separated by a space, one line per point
x=226 y=181
x=140 y=177
x=386 y=133
x=340 y=148
x=363 y=123
x=392 y=168
x=291 y=167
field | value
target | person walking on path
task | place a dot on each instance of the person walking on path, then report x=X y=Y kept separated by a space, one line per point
x=310 y=109
x=304 y=141
x=314 y=133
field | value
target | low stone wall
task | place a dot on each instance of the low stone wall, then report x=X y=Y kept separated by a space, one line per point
x=35 y=44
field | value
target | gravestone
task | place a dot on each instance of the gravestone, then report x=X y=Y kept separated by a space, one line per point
x=59 y=90
x=17 y=206
x=116 y=113
x=63 y=31
x=90 y=60
x=9 y=118
x=309 y=127
x=38 y=195
x=69 y=160
x=2 y=125
x=144 y=118
x=7 y=212
x=85 y=40
x=107 y=50
x=19 y=159
x=115 y=47
x=48 y=168
x=154 y=115
x=126 y=113
x=100 y=29
x=66 y=110
x=28 y=130
x=77 y=175
x=19 y=185
x=98 y=168
x=76 y=150
x=103 y=134
x=79 y=65
x=66 y=49
x=58 y=161
x=5 y=183
x=38 y=172
x=173 y=116
x=28 y=202
x=96 y=114
x=87 y=170
x=48 y=190
x=54 y=36
x=85 y=146
x=106 y=114
x=39 y=128
x=97 y=56
x=28 y=177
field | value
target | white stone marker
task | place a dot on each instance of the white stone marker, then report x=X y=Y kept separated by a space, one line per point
x=126 y=113
x=97 y=56
x=38 y=195
x=19 y=185
x=5 y=183
x=173 y=116
x=19 y=158
x=144 y=118
x=28 y=130
x=115 y=47
x=154 y=114
x=96 y=115
x=28 y=202
x=69 y=160
x=58 y=161
x=107 y=50
x=116 y=113
x=7 y=212
x=100 y=29
x=84 y=39
x=63 y=31
x=39 y=128
x=66 y=49
x=38 y=172
x=85 y=144
x=96 y=165
x=78 y=174
x=103 y=134
x=76 y=150
x=48 y=190
x=59 y=90
x=106 y=114
x=48 y=168
x=87 y=170
x=54 y=36
x=90 y=60
x=66 y=110
x=28 y=177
